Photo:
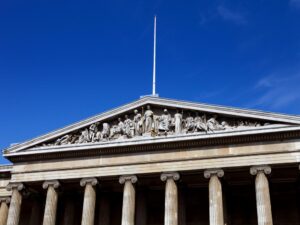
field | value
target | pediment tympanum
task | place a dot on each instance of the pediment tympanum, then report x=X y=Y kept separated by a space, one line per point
x=157 y=117
x=153 y=121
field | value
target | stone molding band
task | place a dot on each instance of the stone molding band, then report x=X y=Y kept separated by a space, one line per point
x=170 y=175
x=91 y=180
x=132 y=178
x=213 y=172
x=256 y=169
x=18 y=186
x=54 y=183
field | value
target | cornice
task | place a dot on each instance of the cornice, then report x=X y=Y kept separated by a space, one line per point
x=156 y=145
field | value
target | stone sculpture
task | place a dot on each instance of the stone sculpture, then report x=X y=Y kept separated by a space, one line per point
x=178 y=122
x=213 y=124
x=200 y=123
x=138 y=123
x=148 y=119
x=128 y=127
x=154 y=124
x=164 y=122
x=189 y=124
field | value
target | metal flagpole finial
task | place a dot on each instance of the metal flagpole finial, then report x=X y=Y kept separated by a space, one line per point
x=154 y=94
x=154 y=61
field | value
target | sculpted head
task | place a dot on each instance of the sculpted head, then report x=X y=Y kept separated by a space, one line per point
x=126 y=116
x=148 y=107
x=165 y=111
x=135 y=111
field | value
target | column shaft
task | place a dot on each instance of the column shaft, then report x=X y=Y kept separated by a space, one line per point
x=171 y=198
x=14 y=208
x=51 y=206
x=3 y=213
x=128 y=210
x=216 y=216
x=88 y=212
x=263 y=202
x=215 y=201
x=171 y=203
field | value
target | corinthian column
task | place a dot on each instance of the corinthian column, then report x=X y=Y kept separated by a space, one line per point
x=128 y=209
x=51 y=202
x=171 y=198
x=263 y=202
x=215 y=196
x=15 y=204
x=4 y=210
x=89 y=202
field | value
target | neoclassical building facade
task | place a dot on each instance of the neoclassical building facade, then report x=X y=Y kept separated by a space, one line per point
x=158 y=161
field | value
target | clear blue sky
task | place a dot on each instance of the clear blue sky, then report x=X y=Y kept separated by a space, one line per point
x=63 y=61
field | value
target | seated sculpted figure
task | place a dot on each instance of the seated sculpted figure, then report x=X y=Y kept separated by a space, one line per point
x=105 y=131
x=128 y=127
x=117 y=130
x=164 y=121
x=189 y=124
x=200 y=123
x=84 y=136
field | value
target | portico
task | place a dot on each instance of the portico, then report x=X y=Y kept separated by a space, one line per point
x=239 y=169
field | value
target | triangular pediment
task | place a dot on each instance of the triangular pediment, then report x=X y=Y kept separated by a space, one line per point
x=152 y=117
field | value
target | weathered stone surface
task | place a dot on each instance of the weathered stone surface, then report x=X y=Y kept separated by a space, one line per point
x=216 y=216
x=171 y=198
x=4 y=210
x=89 y=201
x=51 y=202
x=15 y=204
x=263 y=201
x=128 y=209
x=154 y=162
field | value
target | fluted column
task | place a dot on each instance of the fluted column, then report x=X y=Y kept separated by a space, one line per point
x=128 y=209
x=171 y=198
x=4 y=209
x=263 y=202
x=89 y=202
x=216 y=216
x=15 y=204
x=51 y=202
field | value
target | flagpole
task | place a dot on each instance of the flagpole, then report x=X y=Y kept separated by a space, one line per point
x=154 y=60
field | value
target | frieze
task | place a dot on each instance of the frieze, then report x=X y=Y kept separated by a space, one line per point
x=152 y=122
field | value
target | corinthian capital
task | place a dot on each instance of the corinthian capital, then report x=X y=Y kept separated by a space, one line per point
x=214 y=172
x=54 y=183
x=132 y=178
x=256 y=169
x=17 y=186
x=91 y=180
x=170 y=175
